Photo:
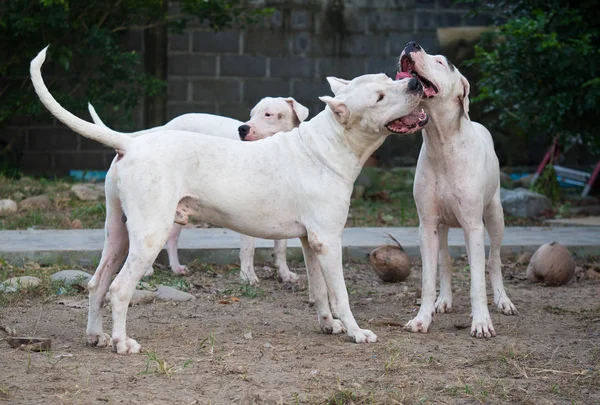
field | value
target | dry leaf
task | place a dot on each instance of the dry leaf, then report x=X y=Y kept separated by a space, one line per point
x=224 y=302
x=234 y=299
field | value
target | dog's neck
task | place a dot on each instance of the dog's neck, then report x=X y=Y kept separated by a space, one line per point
x=343 y=151
x=443 y=126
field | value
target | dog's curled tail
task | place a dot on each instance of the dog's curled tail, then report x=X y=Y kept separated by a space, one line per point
x=97 y=133
x=95 y=116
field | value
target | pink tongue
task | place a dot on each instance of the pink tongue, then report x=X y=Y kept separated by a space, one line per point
x=402 y=75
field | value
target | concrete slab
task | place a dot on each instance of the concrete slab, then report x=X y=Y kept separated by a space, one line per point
x=217 y=245
x=584 y=221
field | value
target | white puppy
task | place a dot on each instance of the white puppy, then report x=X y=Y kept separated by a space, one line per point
x=296 y=184
x=269 y=116
x=457 y=183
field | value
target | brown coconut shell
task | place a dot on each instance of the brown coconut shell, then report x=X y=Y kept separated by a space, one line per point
x=390 y=262
x=552 y=264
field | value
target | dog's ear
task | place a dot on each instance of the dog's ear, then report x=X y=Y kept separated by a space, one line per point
x=464 y=99
x=337 y=84
x=300 y=111
x=339 y=108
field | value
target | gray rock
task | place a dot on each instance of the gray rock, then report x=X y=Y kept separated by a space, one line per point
x=524 y=203
x=70 y=277
x=16 y=283
x=139 y=297
x=524 y=181
x=37 y=202
x=165 y=293
x=7 y=207
x=87 y=192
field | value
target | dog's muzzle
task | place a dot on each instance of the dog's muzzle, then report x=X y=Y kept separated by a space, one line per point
x=414 y=85
x=243 y=130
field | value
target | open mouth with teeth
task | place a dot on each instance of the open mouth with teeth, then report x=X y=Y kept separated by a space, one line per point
x=407 y=69
x=409 y=123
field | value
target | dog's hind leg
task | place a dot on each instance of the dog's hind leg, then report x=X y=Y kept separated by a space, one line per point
x=148 y=228
x=493 y=217
x=444 y=300
x=318 y=291
x=279 y=251
x=247 y=260
x=115 y=248
x=177 y=267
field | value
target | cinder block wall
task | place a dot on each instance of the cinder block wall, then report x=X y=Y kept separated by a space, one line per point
x=227 y=72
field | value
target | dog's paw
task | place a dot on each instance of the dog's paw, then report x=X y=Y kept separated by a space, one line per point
x=443 y=304
x=289 y=277
x=419 y=324
x=99 y=340
x=363 y=336
x=180 y=270
x=331 y=326
x=506 y=306
x=249 y=277
x=127 y=346
x=149 y=272
x=482 y=327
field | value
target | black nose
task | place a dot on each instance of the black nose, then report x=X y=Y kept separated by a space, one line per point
x=243 y=131
x=412 y=47
x=414 y=85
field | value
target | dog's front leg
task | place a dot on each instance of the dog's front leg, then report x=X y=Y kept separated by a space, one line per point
x=482 y=323
x=317 y=288
x=279 y=251
x=247 y=260
x=429 y=243
x=444 y=300
x=328 y=250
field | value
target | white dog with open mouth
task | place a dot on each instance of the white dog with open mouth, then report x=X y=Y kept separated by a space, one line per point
x=269 y=116
x=457 y=183
x=296 y=184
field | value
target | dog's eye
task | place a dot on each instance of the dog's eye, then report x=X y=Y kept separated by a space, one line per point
x=268 y=115
x=381 y=96
x=440 y=62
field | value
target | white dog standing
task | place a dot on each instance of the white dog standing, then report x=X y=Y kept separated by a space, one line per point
x=457 y=183
x=269 y=116
x=296 y=184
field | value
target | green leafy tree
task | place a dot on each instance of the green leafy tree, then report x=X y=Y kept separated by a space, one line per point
x=87 y=60
x=540 y=68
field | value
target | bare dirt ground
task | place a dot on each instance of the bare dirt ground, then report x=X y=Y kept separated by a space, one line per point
x=262 y=345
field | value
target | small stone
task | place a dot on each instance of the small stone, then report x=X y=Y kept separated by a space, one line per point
x=86 y=193
x=524 y=181
x=139 y=297
x=76 y=224
x=268 y=345
x=16 y=283
x=37 y=202
x=524 y=203
x=248 y=335
x=7 y=207
x=18 y=196
x=165 y=293
x=72 y=277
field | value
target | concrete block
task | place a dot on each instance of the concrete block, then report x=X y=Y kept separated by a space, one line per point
x=301 y=20
x=179 y=42
x=363 y=45
x=216 y=42
x=431 y=20
x=266 y=42
x=238 y=111
x=192 y=65
x=52 y=138
x=310 y=91
x=256 y=89
x=216 y=90
x=177 y=90
x=243 y=65
x=177 y=109
x=291 y=67
x=382 y=20
x=314 y=45
x=346 y=68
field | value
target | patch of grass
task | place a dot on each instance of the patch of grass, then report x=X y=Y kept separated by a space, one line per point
x=160 y=365
x=209 y=343
x=168 y=278
x=342 y=397
x=248 y=291
x=4 y=393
